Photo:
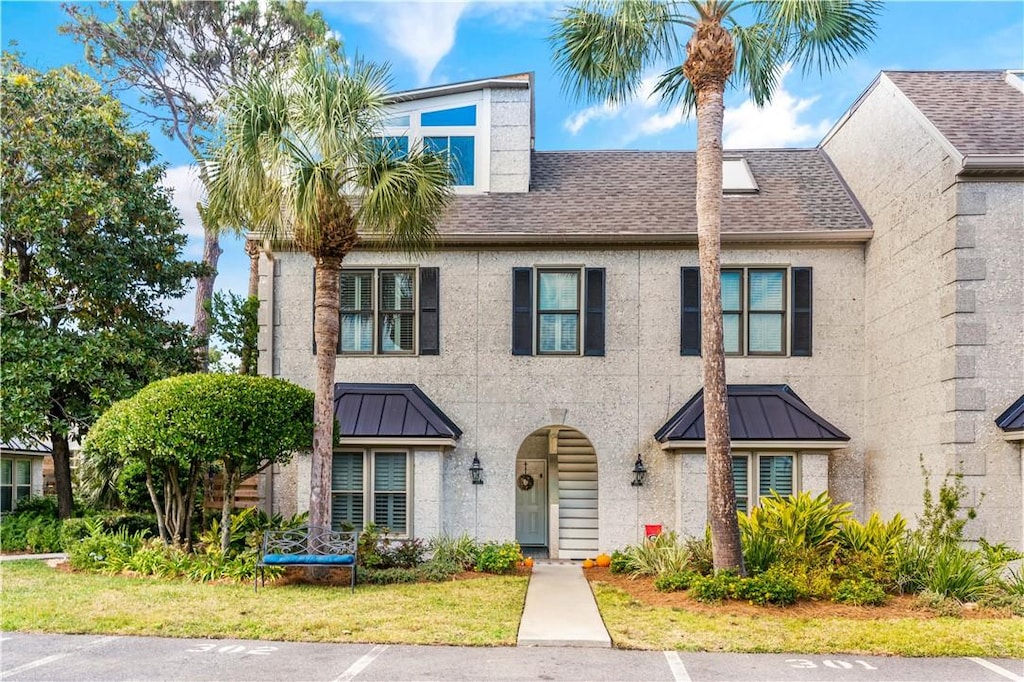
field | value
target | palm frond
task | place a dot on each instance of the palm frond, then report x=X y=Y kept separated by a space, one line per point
x=760 y=58
x=603 y=47
x=403 y=197
x=822 y=34
x=673 y=87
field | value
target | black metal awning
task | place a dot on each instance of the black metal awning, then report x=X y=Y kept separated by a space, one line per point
x=756 y=413
x=1013 y=418
x=389 y=411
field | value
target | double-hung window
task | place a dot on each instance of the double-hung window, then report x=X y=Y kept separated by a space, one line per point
x=756 y=475
x=765 y=311
x=378 y=312
x=558 y=311
x=370 y=486
x=15 y=482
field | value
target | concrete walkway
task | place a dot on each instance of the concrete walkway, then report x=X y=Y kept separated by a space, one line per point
x=40 y=557
x=560 y=609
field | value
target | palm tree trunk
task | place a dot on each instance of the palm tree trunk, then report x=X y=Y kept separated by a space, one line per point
x=252 y=249
x=725 y=533
x=325 y=333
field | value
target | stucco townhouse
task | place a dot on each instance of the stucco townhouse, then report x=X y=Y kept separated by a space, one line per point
x=508 y=383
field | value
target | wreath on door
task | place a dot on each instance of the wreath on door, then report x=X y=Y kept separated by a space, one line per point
x=525 y=480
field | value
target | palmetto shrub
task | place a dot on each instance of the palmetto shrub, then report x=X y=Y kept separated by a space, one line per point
x=660 y=555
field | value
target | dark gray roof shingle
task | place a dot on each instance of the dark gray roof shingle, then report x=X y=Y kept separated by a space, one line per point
x=978 y=112
x=389 y=411
x=756 y=412
x=618 y=193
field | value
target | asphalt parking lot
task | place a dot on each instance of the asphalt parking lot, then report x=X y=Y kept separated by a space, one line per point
x=25 y=656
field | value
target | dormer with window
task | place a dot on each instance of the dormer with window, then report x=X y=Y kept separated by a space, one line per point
x=485 y=127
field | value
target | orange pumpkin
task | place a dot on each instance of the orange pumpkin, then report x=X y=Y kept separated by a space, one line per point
x=604 y=561
x=588 y=563
x=528 y=562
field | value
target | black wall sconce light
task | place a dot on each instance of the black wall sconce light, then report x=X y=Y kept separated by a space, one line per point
x=639 y=472
x=476 y=471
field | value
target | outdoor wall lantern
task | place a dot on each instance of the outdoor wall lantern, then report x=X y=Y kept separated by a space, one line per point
x=639 y=472
x=476 y=471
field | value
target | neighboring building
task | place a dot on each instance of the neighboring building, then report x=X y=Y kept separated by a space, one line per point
x=554 y=334
x=21 y=471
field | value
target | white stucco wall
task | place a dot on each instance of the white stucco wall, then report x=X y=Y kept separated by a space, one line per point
x=943 y=314
x=617 y=401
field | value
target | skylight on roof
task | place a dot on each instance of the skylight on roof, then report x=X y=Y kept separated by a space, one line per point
x=1016 y=79
x=736 y=176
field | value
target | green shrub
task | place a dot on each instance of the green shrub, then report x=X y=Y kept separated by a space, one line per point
x=699 y=553
x=388 y=576
x=620 y=562
x=43 y=536
x=1013 y=583
x=439 y=570
x=498 y=557
x=404 y=553
x=774 y=586
x=861 y=592
x=960 y=574
x=674 y=582
x=943 y=606
x=660 y=555
x=461 y=551
x=912 y=563
x=103 y=551
x=715 y=588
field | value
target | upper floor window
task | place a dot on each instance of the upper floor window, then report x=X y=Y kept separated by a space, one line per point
x=566 y=316
x=452 y=131
x=765 y=311
x=389 y=311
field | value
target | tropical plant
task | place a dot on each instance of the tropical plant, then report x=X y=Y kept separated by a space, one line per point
x=603 y=49
x=181 y=58
x=460 y=551
x=662 y=554
x=300 y=159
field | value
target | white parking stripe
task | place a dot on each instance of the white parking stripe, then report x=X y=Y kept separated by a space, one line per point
x=996 y=669
x=675 y=664
x=39 y=662
x=361 y=664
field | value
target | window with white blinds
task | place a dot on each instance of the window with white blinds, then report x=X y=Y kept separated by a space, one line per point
x=378 y=312
x=558 y=311
x=756 y=475
x=754 y=311
x=387 y=489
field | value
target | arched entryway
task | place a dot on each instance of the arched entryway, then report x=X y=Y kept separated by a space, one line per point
x=556 y=493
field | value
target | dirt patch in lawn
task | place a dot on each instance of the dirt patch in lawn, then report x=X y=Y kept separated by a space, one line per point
x=900 y=606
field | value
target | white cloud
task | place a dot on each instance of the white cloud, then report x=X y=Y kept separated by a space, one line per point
x=183 y=181
x=581 y=118
x=645 y=100
x=660 y=123
x=776 y=125
x=423 y=32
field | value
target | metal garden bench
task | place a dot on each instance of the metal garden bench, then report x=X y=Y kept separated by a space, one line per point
x=308 y=546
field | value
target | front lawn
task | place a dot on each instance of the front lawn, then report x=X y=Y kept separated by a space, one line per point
x=635 y=623
x=482 y=611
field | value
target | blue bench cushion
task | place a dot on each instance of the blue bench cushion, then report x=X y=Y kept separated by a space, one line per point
x=332 y=559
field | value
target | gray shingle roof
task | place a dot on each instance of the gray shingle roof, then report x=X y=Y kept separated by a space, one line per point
x=756 y=412
x=978 y=112
x=389 y=411
x=619 y=193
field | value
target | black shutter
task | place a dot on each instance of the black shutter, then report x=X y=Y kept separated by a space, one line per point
x=430 y=319
x=522 y=311
x=802 y=331
x=689 y=318
x=593 y=321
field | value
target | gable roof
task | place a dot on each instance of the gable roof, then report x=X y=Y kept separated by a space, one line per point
x=1013 y=418
x=756 y=413
x=979 y=113
x=595 y=196
x=389 y=411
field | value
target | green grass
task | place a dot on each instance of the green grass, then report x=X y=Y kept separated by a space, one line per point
x=633 y=625
x=482 y=612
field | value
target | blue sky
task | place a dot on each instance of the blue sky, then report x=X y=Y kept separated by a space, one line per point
x=430 y=43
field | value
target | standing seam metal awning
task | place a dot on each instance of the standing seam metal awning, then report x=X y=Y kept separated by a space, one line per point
x=756 y=413
x=1012 y=420
x=390 y=411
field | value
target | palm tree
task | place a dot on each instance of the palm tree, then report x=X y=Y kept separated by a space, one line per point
x=604 y=47
x=301 y=159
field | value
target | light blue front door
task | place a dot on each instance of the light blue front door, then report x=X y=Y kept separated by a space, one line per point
x=532 y=502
